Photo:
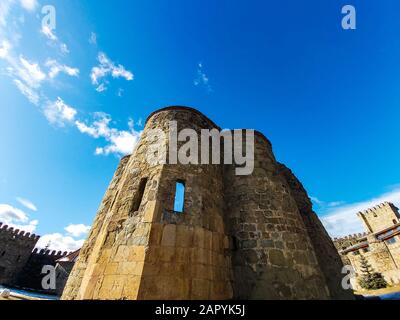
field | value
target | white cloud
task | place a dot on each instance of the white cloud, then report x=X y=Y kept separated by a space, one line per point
x=9 y=214
x=27 y=91
x=54 y=41
x=27 y=204
x=64 y=48
x=77 y=230
x=56 y=68
x=57 y=241
x=46 y=30
x=5 y=7
x=4 y=49
x=16 y=218
x=101 y=88
x=202 y=78
x=107 y=68
x=343 y=220
x=29 y=5
x=120 y=141
x=58 y=112
x=323 y=205
x=30 y=72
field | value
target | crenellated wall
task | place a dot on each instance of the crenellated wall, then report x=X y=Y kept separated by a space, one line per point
x=15 y=249
x=31 y=275
x=237 y=237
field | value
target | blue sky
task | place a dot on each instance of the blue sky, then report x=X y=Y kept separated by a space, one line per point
x=74 y=99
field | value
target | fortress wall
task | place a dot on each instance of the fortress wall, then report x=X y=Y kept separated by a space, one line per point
x=328 y=258
x=31 y=275
x=15 y=249
x=273 y=257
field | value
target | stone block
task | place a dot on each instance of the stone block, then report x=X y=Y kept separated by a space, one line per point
x=169 y=236
x=184 y=236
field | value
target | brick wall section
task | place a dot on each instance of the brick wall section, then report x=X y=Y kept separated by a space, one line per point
x=155 y=253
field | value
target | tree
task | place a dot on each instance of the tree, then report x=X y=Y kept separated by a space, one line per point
x=370 y=279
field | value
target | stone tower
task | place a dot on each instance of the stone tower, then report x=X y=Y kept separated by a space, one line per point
x=380 y=217
x=238 y=237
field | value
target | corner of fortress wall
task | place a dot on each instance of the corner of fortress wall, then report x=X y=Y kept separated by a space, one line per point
x=239 y=236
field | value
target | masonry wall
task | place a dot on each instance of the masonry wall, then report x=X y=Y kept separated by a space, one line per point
x=328 y=257
x=15 y=249
x=273 y=257
x=238 y=237
x=31 y=275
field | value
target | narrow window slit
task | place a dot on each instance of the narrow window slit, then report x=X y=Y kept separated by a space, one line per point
x=139 y=198
x=179 y=196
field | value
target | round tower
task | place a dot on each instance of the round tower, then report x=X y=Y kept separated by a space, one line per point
x=140 y=247
x=177 y=223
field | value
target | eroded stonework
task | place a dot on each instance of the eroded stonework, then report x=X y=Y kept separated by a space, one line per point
x=239 y=237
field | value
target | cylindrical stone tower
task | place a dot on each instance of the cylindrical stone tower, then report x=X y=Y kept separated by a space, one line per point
x=236 y=236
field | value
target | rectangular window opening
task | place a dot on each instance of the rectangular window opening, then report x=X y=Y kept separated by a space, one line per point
x=179 y=196
x=139 y=198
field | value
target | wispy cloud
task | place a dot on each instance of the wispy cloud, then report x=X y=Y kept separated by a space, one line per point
x=77 y=230
x=121 y=142
x=56 y=68
x=27 y=91
x=59 y=113
x=29 y=5
x=70 y=241
x=27 y=204
x=106 y=68
x=16 y=218
x=58 y=241
x=201 y=79
x=53 y=39
x=343 y=220
x=4 y=49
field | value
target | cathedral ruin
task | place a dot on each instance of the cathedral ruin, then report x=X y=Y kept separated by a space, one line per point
x=236 y=237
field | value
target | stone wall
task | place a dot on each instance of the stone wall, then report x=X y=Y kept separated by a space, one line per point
x=15 y=249
x=237 y=237
x=328 y=257
x=31 y=275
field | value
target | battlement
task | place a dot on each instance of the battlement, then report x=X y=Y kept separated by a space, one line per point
x=16 y=233
x=351 y=237
x=51 y=253
x=380 y=217
x=378 y=208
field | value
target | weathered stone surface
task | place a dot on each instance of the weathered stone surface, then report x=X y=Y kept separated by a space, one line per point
x=238 y=237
